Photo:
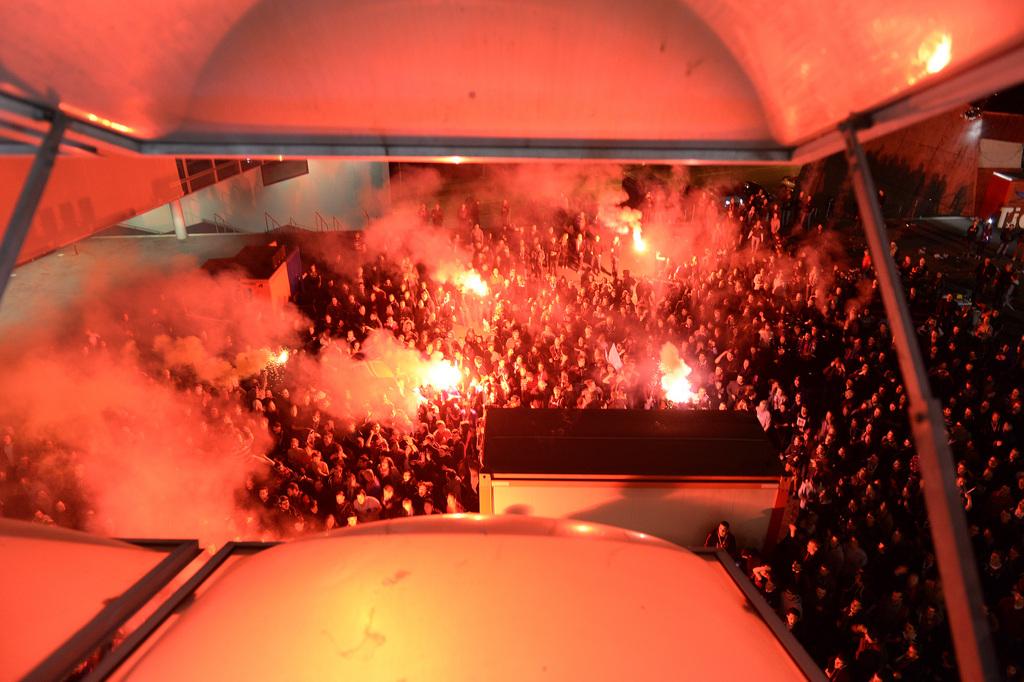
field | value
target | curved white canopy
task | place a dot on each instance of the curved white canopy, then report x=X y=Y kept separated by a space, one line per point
x=52 y=582
x=471 y=598
x=680 y=79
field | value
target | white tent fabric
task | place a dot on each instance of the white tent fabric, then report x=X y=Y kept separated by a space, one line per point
x=728 y=74
x=52 y=582
x=471 y=598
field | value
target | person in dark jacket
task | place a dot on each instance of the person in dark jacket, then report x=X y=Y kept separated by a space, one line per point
x=722 y=538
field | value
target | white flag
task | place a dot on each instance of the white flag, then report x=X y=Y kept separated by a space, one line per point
x=613 y=357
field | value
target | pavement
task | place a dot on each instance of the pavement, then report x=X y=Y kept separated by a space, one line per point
x=943 y=243
x=39 y=291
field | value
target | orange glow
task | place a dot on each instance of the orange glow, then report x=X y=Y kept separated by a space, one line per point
x=677 y=386
x=98 y=120
x=470 y=282
x=639 y=244
x=938 y=55
x=454 y=159
x=675 y=376
x=441 y=375
x=519 y=566
x=276 y=358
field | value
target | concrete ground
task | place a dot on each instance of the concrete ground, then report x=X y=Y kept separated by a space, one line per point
x=943 y=244
x=39 y=290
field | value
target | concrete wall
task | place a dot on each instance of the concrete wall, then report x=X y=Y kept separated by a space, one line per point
x=157 y=221
x=927 y=169
x=679 y=512
x=351 y=191
x=930 y=168
x=84 y=195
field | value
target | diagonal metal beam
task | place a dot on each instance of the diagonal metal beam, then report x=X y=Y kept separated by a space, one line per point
x=28 y=200
x=113 y=660
x=102 y=628
x=933 y=97
x=955 y=557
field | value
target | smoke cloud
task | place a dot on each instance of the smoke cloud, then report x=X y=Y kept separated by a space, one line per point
x=108 y=428
x=106 y=401
x=381 y=382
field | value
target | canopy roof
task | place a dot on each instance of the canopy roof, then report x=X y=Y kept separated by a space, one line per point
x=714 y=80
x=473 y=597
x=52 y=582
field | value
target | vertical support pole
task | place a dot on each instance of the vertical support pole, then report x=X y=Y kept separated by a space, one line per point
x=955 y=556
x=178 y=218
x=486 y=494
x=28 y=200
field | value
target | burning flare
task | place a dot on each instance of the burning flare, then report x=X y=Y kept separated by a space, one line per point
x=639 y=244
x=279 y=358
x=628 y=221
x=674 y=376
x=937 y=53
x=441 y=375
x=471 y=283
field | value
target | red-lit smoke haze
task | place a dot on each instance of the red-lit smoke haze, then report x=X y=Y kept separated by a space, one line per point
x=99 y=398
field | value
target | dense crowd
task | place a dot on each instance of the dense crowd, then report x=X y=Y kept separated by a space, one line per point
x=798 y=340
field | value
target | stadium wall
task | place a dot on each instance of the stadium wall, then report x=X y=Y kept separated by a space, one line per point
x=927 y=169
x=351 y=191
x=85 y=195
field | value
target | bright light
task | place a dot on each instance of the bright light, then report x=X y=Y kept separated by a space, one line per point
x=470 y=282
x=277 y=358
x=674 y=377
x=677 y=387
x=441 y=375
x=1004 y=176
x=937 y=55
x=98 y=120
x=639 y=244
x=454 y=159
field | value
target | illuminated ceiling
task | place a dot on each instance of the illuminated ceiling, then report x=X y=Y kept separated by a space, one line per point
x=719 y=80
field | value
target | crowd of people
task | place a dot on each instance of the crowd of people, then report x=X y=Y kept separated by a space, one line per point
x=801 y=341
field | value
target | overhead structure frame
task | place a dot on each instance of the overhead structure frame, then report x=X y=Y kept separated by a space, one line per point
x=63 y=130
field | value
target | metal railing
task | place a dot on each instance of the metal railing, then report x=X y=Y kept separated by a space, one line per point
x=221 y=225
x=319 y=222
x=270 y=222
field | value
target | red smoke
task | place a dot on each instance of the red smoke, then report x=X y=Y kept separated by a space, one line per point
x=107 y=400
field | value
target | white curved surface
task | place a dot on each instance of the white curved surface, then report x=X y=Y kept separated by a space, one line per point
x=52 y=582
x=470 y=598
x=728 y=71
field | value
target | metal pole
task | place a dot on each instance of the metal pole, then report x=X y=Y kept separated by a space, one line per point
x=28 y=200
x=178 y=220
x=955 y=557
